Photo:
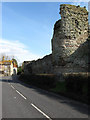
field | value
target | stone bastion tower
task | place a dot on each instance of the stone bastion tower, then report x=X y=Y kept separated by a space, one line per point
x=70 y=32
x=69 y=44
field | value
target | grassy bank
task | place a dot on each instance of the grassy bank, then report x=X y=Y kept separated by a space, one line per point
x=60 y=87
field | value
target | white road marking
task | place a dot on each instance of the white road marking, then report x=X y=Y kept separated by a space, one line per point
x=14 y=97
x=9 y=83
x=31 y=104
x=40 y=111
x=12 y=87
x=21 y=94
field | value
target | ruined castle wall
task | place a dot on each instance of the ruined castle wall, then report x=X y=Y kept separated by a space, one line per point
x=25 y=67
x=40 y=66
x=69 y=44
x=69 y=33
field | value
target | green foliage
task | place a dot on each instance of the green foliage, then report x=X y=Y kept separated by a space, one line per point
x=19 y=70
x=76 y=82
x=14 y=60
x=23 y=66
x=60 y=87
x=45 y=81
x=77 y=86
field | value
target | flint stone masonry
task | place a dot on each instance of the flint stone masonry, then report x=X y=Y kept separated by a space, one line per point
x=70 y=44
x=39 y=66
x=26 y=66
x=69 y=32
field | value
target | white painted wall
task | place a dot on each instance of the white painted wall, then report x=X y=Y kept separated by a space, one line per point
x=14 y=69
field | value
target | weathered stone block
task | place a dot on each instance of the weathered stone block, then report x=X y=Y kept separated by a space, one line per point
x=73 y=26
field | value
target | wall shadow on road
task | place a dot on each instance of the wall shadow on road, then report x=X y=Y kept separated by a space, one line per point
x=8 y=79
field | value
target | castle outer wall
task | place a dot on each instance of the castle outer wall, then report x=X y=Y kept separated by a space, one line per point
x=69 y=44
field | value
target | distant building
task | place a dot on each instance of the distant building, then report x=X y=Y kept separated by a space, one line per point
x=8 y=67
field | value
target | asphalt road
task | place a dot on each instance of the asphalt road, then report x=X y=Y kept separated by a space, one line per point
x=22 y=101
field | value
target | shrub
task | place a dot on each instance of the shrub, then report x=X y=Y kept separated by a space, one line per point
x=76 y=82
x=41 y=80
x=60 y=87
x=77 y=85
x=19 y=70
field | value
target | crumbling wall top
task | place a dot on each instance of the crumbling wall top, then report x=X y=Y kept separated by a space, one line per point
x=76 y=9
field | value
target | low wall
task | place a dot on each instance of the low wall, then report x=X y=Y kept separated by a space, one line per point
x=41 y=66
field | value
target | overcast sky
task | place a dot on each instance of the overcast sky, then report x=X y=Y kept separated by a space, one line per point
x=27 y=28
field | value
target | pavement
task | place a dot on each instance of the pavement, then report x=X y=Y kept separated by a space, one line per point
x=24 y=101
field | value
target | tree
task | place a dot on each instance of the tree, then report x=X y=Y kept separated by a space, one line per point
x=19 y=70
x=15 y=61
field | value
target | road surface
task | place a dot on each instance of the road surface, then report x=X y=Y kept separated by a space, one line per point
x=23 y=101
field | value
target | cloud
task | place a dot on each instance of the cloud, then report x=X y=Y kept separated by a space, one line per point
x=16 y=49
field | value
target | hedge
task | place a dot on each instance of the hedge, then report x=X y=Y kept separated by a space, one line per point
x=77 y=86
x=41 y=80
